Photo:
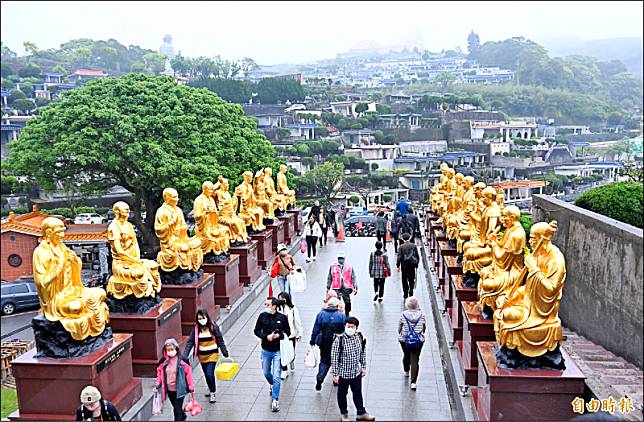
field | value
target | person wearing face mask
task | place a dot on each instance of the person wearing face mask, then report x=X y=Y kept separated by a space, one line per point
x=174 y=378
x=328 y=322
x=207 y=342
x=342 y=279
x=348 y=366
x=94 y=408
x=271 y=327
x=295 y=324
x=312 y=232
x=285 y=266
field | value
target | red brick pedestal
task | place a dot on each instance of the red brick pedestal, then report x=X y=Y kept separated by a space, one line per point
x=150 y=330
x=525 y=394
x=289 y=227
x=446 y=290
x=227 y=287
x=194 y=296
x=297 y=223
x=265 y=253
x=475 y=329
x=49 y=389
x=249 y=270
x=278 y=234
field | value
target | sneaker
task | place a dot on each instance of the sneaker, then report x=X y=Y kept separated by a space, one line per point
x=284 y=375
x=293 y=366
x=379 y=300
x=345 y=417
x=406 y=373
x=365 y=417
x=212 y=398
x=275 y=407
x=413 y=386
x=308 y=259
x=375 y=297
x=313 y=258
x=318 y=385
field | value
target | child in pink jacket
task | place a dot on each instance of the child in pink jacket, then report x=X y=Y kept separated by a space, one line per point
x=174 y=378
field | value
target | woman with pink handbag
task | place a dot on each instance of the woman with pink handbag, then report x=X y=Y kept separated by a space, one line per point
x=174 y=378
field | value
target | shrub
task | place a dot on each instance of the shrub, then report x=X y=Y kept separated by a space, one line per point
x=65 y=212
x=526 y=223
x=622 y=201
x=355 y=199
x=15 y=211
x=387 y=197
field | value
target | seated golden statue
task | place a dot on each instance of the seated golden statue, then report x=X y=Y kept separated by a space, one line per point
x=57 y=274
x=259 y=189
x=478 y=253
x=436 y=191
x=279 y=201
x=227 y=214
x=248 y=210
x=507 y=259
x=448 y=189
x=177 y=249
x=282 y=186
x=131 y=275
x=214 y=237
x=456 y=198
x=527 y=317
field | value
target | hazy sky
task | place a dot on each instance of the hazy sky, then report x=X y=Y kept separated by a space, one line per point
x=298 y=32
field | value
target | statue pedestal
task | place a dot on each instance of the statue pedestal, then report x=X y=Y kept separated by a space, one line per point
x=194 y=296
x=445 y=251
x=249 y=270
x=457 y=292
x=525 y=394
x=289 y=227
x=278 y=234
x=150 y=331
x=227 y=287
x=265 y=253
x=475 y=329
x=436 y=231
x=297 y=224
x=49 y=389
x=439 y=236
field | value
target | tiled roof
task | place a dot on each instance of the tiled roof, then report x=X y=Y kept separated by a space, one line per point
x=31 y=223
x=519 y=184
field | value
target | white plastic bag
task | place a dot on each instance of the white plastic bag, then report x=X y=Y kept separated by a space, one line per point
x=297 y=281
x=310 y=359
x=287 y=352
x=157 y=404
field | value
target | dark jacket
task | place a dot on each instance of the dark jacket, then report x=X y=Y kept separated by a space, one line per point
x=407 y=256
x=315 y=211
x=108 y=412
x=376 y=269
x=415 y=223
x=268 y=324
x=328 y=322
x=381 y=225
x=193 y=341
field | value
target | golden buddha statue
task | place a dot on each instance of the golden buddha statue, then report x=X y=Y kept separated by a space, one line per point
x=131 y=275
x=456 y=198
x=479 y=253
x=248 y=210
x=279 y=201
x=468 y=206
x=436 y=190
x=261 y=198
x=448 y=189
x=527 y=317
x=227 y=214
x=507 y=259
x=57 y=274
x=475 y=211
x=214 y=237
x=282 y=186
x=177 y=249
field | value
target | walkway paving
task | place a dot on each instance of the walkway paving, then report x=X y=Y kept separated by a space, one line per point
x=386 y=390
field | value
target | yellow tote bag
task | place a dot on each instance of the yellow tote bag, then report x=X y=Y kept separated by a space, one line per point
x=226 y=371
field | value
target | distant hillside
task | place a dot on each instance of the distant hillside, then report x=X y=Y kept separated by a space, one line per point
x=628 y=50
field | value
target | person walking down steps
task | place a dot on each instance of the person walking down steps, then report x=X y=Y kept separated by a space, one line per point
x=342 y=279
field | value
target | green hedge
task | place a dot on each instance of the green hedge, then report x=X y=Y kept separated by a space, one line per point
x=622 y=201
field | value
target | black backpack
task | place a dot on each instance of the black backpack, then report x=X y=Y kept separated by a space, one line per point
x=362 y=340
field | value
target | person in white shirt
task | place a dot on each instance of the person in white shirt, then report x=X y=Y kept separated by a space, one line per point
x=312 y=232
x=295 y=323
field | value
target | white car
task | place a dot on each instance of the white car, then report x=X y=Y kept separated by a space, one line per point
x=88 y=219
x=295 y=107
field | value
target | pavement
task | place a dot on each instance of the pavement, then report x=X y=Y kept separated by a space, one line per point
x=18 y=320
x=386 y=391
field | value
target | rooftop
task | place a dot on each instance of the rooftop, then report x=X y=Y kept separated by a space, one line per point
x=519 y=184
x=31 y=223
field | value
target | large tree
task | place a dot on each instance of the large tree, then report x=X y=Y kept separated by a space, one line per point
x=144 y=133
x=473 y=45
x=323 y=181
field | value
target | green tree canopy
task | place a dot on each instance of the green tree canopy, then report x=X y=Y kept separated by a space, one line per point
x=622 y=201
x=278 y=90
x=30 y=70
x=231 y=90
x=141 y=132
x=323 y=181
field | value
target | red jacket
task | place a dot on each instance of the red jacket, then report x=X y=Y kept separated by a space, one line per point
x=184 y=369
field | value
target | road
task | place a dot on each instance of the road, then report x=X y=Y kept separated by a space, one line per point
x=13 y=322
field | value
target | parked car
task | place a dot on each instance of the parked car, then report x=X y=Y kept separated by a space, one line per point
x=18 y=295
x=351 y=211
x=88 y=219
x=360 y=226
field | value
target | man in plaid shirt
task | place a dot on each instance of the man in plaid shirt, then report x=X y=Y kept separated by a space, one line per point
x=349 y=365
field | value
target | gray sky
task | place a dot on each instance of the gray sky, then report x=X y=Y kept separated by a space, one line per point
x=298 y=32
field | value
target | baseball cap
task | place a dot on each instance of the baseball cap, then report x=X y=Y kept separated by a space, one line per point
x=341 y=254
x=281 y=247
x=90 y=394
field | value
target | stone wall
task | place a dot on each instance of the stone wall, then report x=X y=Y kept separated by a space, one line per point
x=602 y=296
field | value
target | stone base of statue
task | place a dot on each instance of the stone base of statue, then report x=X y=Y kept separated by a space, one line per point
x=444 y=251
x=194 y=296
x=180 y=276
x=512 y=359
x=475 y=329
x=267 y=221
x=471 y=280
x=249 y=270
x=278 y=233
x=150 y=330
x=53 y=341
x=49 y=389
x=525 y=394
x=265 y=253
x=296 y=221
x=227 y=287
x=289 y=227
x=459 y=293
x=131 y=304
x=211 y=258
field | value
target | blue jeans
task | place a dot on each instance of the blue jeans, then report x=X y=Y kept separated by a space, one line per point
x=272 y=366
x=285 y=286
x=323 y=369
x=209 y=372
